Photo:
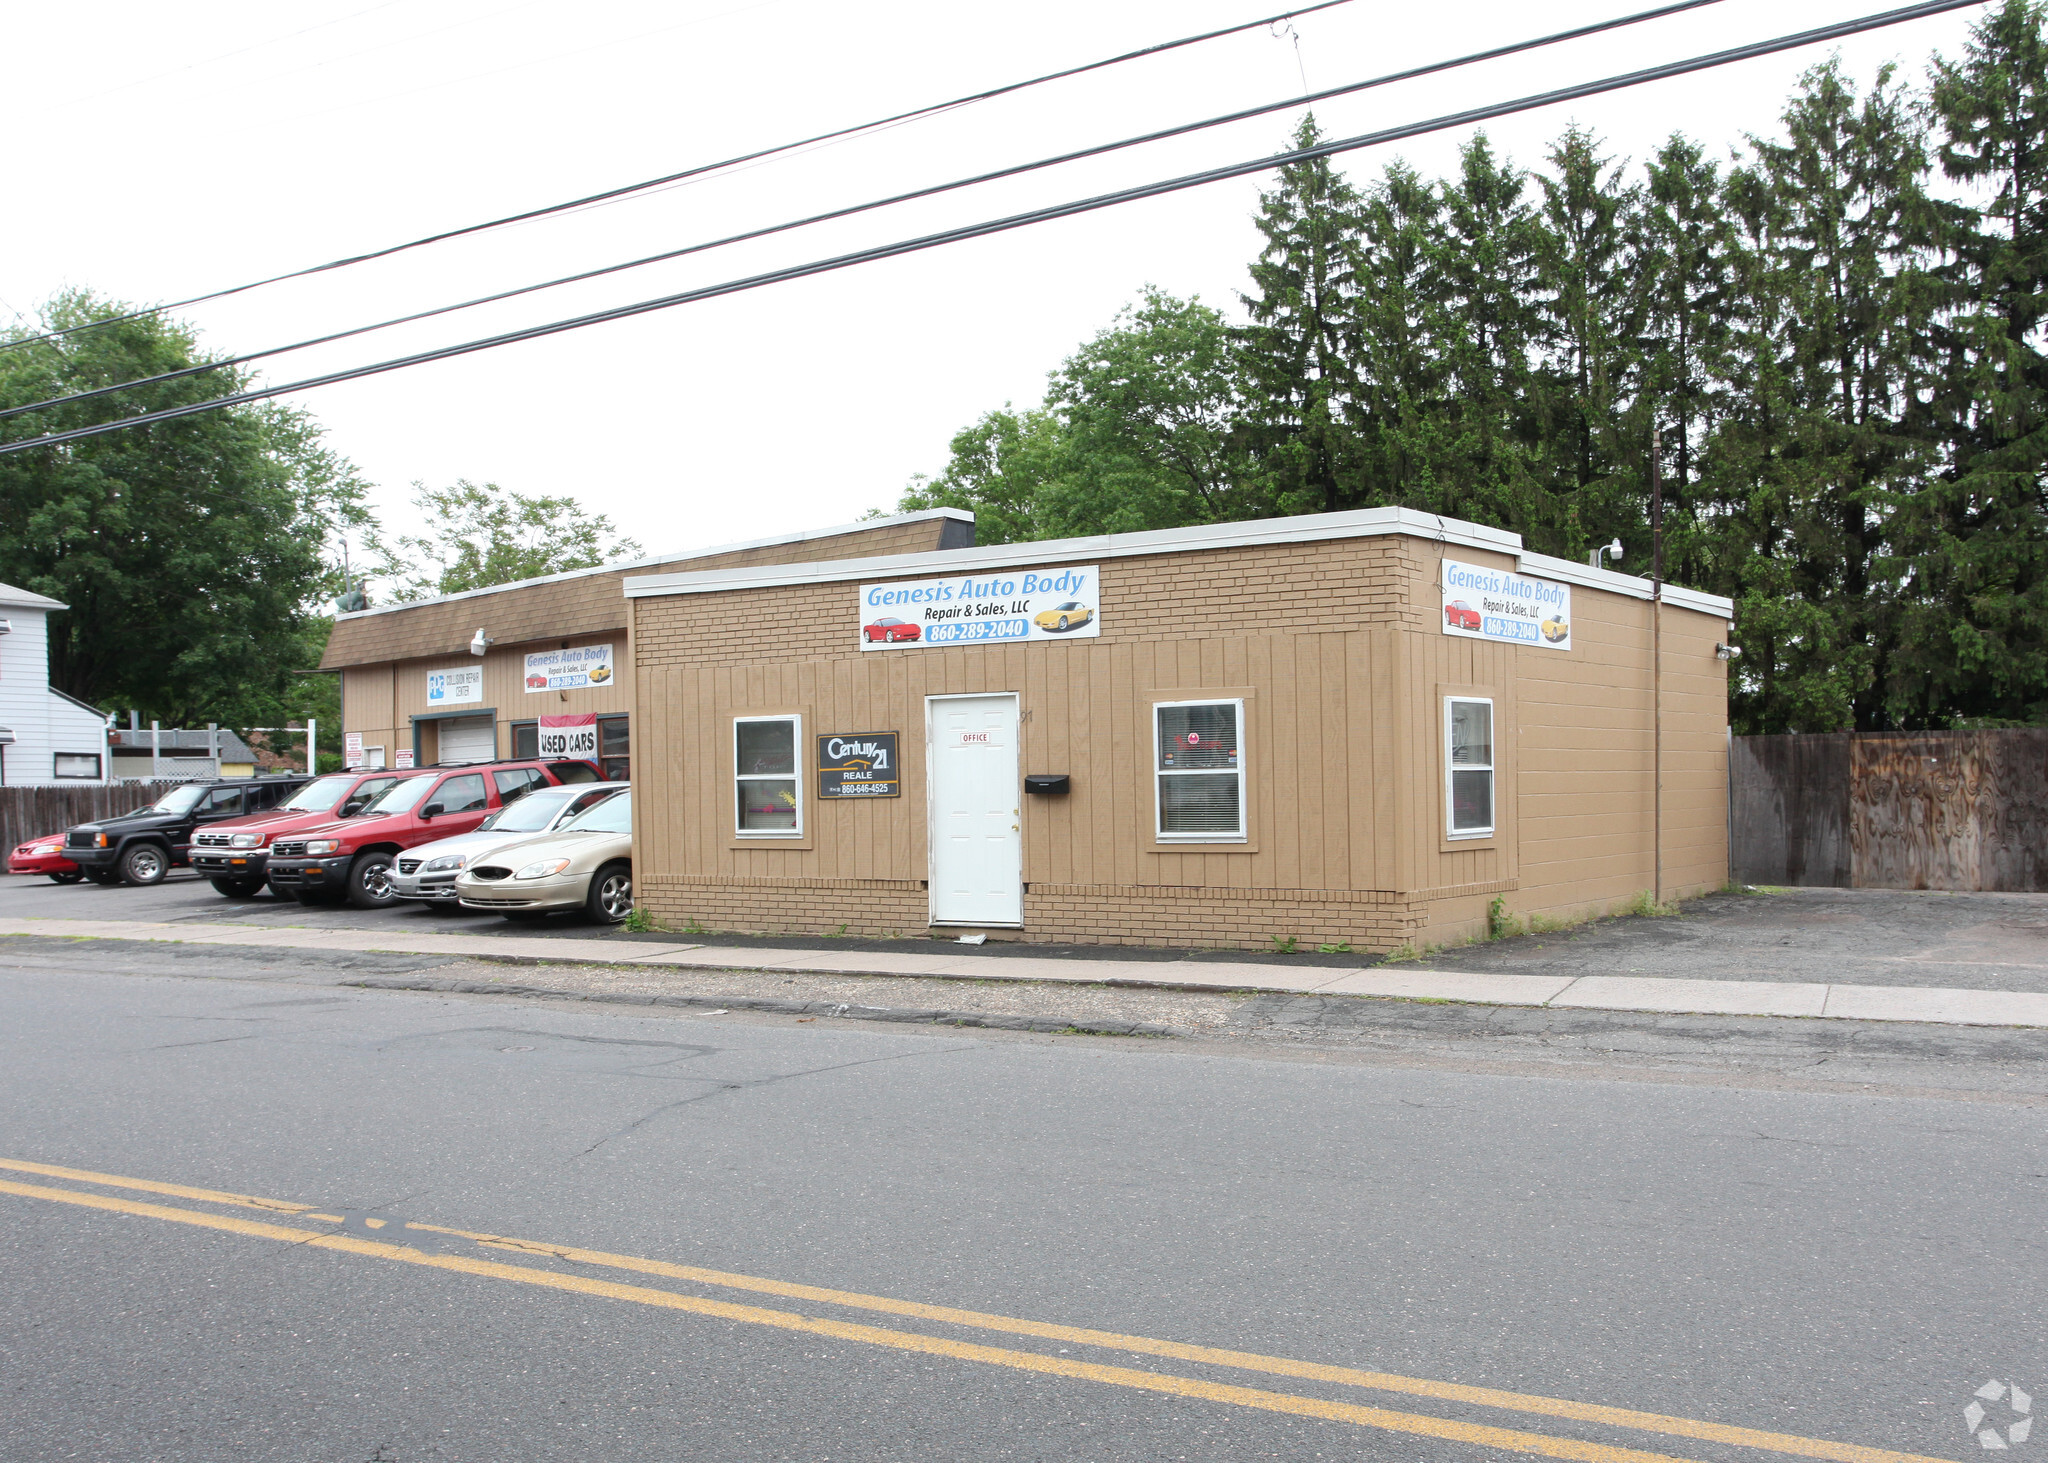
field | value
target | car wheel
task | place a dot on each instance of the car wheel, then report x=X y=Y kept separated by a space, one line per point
x=237 y=888
x=610 y=898
x=369 y=881
x=1063 y=622
x=71 y=878
x=144 y=864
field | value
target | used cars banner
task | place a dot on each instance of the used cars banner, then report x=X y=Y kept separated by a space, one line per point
x=998 y=607
x=1494 y=604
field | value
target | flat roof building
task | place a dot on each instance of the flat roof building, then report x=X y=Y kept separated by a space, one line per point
x=1363 y=729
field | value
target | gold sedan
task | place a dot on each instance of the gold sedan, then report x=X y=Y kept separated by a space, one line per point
x=585 y=864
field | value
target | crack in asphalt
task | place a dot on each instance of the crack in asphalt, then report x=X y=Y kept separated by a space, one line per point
x=649 y=1117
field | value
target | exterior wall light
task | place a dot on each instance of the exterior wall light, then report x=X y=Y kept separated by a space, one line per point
x=1725 y=651
x=1612 y=550
x=480 y=643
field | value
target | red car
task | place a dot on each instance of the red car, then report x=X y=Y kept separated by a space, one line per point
x=889 y=631
x=1462 y=615
x=44 y=856
x=353 y=857
x=536 y=683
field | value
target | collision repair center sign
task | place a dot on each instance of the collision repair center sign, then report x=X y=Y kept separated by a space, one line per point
x=1495 y=604
x=1003 y=605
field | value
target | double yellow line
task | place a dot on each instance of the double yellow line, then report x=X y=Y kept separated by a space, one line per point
x=1413 y=1424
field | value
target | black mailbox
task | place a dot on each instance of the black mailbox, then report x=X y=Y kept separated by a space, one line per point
x=1045 y=782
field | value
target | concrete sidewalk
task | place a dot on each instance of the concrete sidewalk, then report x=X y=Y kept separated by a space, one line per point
x=1592 y=992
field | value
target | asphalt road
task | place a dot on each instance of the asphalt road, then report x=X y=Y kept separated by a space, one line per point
x=1815 y=1264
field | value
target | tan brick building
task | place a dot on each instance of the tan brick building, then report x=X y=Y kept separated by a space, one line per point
x=411 y=690
x=1358 y=728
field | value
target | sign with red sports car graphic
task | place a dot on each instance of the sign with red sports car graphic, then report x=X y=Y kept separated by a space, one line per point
x=995 y=607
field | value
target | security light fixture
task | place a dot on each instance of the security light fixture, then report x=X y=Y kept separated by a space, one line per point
x=1725 y=651
x=1613 y=550
x=480 y=643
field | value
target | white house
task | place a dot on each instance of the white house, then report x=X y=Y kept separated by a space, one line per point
x=46 y=737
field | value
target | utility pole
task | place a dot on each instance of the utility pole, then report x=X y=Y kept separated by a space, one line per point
x=1657 y=655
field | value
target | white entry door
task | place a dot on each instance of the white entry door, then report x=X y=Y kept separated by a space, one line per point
x=975 y=802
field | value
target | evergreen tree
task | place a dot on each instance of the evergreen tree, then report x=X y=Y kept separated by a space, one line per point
x=1301 y=346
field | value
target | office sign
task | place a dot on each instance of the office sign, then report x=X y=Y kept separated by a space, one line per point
x=569 y=736
x=404 y=762
x=351 y=750
x=569 y=670
x=457 y=687
x=982 y=609
x=1495 y=604
x=859 y=765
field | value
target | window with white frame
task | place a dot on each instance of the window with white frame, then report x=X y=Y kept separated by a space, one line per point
x=767 y=785
x=1468 y=766
x=1198 y=771
x=78 y=764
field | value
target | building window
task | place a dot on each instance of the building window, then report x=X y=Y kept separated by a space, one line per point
x=1468 y=770
x=764 y=771
x=79 y=764
x=1198 y=759
x=526 y=740
x=614 y=748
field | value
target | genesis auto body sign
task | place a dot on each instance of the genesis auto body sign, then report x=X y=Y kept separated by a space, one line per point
x=1494 y=604
x=569 y=670
x=1004 y=606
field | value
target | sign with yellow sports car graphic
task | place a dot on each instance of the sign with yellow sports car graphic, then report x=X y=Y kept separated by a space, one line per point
x=997 y=607
x=1497 y=604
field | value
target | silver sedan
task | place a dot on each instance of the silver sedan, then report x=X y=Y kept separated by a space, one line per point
x=428 y=872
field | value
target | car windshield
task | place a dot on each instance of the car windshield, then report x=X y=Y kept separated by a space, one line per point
x=319 y=797
x=401 y=795
x=613 y=815
x=1072 y=604
x=534 y=812
x=179 y=800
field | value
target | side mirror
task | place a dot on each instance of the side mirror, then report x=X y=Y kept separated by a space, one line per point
x=432 y=810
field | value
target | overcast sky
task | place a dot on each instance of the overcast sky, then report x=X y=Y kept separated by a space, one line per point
x=162 y=150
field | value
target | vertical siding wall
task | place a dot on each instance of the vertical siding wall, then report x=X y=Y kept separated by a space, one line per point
x=380 y=701
x=1338 y=651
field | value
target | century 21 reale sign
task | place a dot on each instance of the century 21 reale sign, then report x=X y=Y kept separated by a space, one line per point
x=859 y=765
x=982 y=608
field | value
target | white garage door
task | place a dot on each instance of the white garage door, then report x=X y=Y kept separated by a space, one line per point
x=469 y=739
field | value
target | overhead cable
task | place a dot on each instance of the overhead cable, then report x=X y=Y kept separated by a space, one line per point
x=246 y=357
x=1468 y=117
x=628 y=189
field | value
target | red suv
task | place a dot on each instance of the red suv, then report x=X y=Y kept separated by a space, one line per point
x=234 y=853
x=354 y=857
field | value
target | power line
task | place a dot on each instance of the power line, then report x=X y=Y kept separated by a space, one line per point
x=902 y=247
x=631 y=188
x=227 y=362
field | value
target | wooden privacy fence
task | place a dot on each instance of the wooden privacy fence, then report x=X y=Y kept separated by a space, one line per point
x=30 y=812
x=1891 y=810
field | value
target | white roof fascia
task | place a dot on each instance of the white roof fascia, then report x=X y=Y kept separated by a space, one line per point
x=29 y=600
x=753 y=543
x=1305 y=528
x=1634 y=586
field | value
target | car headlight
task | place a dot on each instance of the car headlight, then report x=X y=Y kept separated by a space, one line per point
x=542 y=869
x=246 y=840
x=445 y=862
x=321 y=847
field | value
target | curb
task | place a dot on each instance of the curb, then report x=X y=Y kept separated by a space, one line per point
x=841 y=1009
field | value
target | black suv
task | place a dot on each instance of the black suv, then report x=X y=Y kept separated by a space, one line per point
x=143 y=846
